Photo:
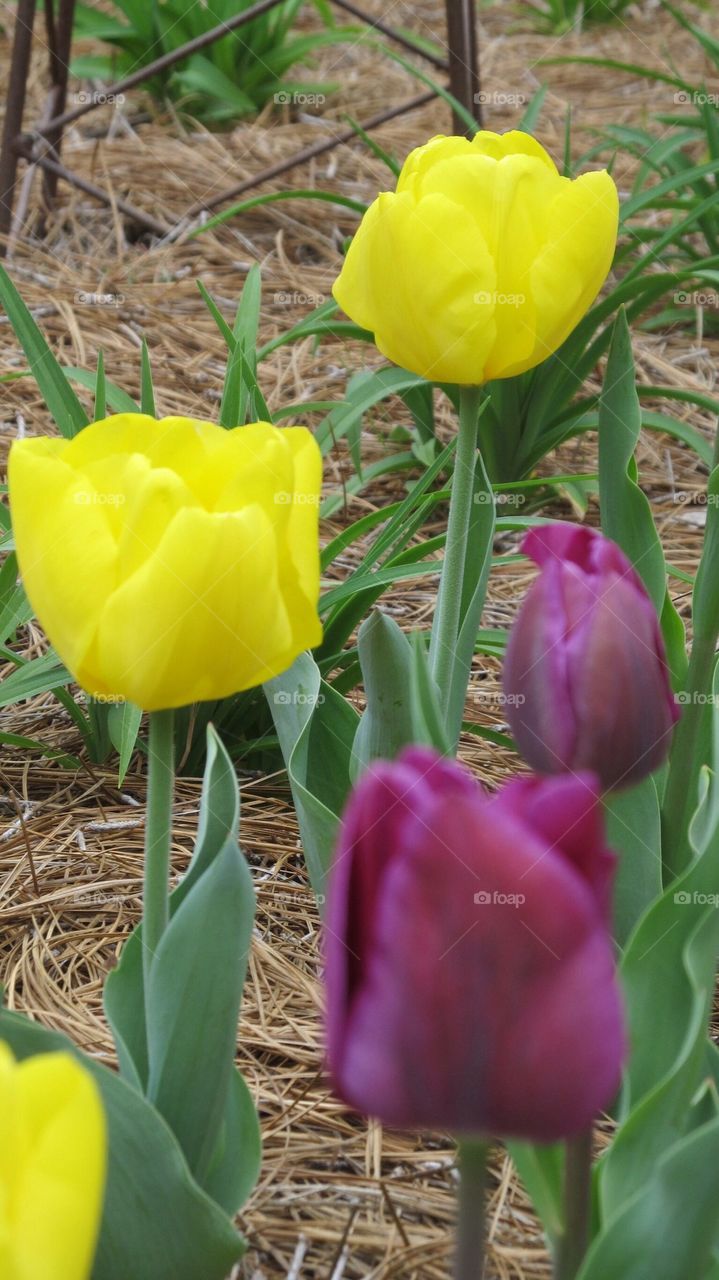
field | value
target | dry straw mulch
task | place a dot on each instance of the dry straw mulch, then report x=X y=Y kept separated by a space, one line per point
x=337 y=1197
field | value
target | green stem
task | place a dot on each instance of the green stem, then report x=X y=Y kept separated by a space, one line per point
x=158 y=834
x=577 y=1206
x=471 y=1230
x=449 y=603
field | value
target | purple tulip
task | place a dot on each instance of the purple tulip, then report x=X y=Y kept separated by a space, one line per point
x=585 y=674
x=469 y=966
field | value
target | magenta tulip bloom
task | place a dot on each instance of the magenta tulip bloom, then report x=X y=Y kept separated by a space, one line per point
x=585 y=674
x=470 y=973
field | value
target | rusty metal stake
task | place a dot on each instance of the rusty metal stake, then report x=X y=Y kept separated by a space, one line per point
x=463 y=60
x=17 y=86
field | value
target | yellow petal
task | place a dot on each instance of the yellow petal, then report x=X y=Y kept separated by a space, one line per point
x=512 y=143
x=573 y=265
x=203 y=617
x=53 y=1192
x=419 y=276
x=65 y=544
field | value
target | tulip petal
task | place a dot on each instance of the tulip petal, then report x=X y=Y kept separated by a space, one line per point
x=480 y=926
x=574 y=264
x=437 y=321
x=65 y=544
x=202 y=618
x=51 y=1194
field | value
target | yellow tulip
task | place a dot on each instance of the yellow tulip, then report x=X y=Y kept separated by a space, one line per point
x=52 y=1167
x=483 y=260
x=170 y=561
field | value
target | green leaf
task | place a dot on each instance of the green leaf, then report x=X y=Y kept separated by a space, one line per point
x=193 y=1002
x=124 y=726
x=147 y=391
x=157 y=1223
x=316 y=727
x=236 y=1162
x=38 y=675
x=668 y=1228
x=100 y=409
x=634 y=831
x=15 y=608
x=386 y=724
x=541 y=1169
x=117 y=399
x=430 y=724
x=59 y=397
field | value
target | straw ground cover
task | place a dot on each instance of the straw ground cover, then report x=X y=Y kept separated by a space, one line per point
x=336 y=1197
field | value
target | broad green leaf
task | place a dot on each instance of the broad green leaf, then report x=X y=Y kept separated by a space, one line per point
x=147 y=390
x=316 y=727
x=669 y=1227
x=634 y=832
x=541 y=1169
x=235 y=1165
x=157 y=1222
x=193 y=1002
x=15 y=608
x=429 y=716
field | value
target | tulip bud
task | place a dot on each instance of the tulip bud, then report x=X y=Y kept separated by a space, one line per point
x=482 y=261
x=170 y=561
x=469 y=966
x=585 y=673
x=52 y=1167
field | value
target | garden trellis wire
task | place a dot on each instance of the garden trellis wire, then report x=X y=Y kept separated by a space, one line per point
x=41 y=146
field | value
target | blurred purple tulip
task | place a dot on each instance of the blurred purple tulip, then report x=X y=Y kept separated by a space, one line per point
x=470 y=973
x=585 y=675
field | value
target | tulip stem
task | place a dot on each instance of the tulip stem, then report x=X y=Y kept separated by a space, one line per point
x=449 y=602
x=577 y=1206
x=472 y=1228
x=158 y=834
